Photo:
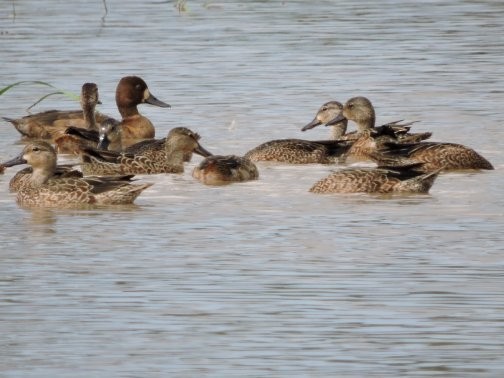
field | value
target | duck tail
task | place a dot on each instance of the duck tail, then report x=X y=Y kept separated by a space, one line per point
x=421 y=183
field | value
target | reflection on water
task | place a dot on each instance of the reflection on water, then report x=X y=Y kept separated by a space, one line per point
x=260 y=278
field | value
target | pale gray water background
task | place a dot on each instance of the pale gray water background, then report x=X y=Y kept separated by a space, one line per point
x=262 y=278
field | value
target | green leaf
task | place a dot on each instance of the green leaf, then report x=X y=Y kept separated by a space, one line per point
x=70 y=95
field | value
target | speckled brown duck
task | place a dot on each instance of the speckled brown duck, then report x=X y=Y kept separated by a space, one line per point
x=376 y=180
x=368 y=137
x=360 y=110
x=131 y=91
x=405 y=149
x=24 y=175
x=300 y=151
x=221 y=170
x=45 y=189
x=432 y=155
x=330 y=111
x=159 y=156
x=53 y=123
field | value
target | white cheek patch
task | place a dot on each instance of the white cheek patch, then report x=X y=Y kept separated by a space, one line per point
x=146 y=94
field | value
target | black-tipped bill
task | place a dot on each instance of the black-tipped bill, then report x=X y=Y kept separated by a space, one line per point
x=154 y=101
x=201 y=151
x=336 y=120
x=311 y=125
x=16 y=161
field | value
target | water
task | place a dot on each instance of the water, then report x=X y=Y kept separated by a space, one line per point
x=261 y=278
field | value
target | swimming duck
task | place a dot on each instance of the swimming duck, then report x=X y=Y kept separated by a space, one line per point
x=130 y=92
x=24 y=175
x=369 y=137
x=53 y=123
x=376 y=180
x=158 y=156
x=406 y=149
x=300 y=151
x=221 y=170
x=432 y=155
x=327 y=112
x=70 y=142
x=44 y=189
x=333 y=110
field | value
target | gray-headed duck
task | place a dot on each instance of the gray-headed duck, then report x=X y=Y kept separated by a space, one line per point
x=152 y=156
x=45 y=189
x=300 y=151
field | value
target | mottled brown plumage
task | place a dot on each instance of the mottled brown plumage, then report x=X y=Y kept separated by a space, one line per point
x=53 y=123
x=377 y=180
x=221 y=170
x=24 y=175
x=361 y=111
x=432 y=155
x=155 y=156
x=46 y=189
x=300 y=151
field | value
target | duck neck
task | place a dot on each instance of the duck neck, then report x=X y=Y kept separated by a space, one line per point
x=40 y=175
x=338 y=130
x=366 y=121
x=174 y=154
x=128 y=111
x=89 y=117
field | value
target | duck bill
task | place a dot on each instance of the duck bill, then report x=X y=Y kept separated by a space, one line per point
x=16 y=161
x=338 y=119
x=150 y=99
x=311 y=125
x=201 y=151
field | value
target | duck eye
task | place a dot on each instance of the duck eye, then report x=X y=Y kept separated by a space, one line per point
x=324 y=108
x=350 y=106
x=35 y=149
x=138 y=86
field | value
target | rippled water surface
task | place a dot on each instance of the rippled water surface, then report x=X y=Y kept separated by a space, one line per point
x=261 y=278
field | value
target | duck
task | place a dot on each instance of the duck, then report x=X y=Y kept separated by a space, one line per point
x=131 y=91
x=225 y=169
x=433 y=156
x=333 y=109
x=53 y=123
x=45 y=189
x=301 y=151
x=24 y=175
x=157 y=156
x=381 y=180
x=368 y=137
x=70 y=142
x=407 y=149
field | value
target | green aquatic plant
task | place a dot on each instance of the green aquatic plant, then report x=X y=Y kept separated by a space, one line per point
x=57 y=91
